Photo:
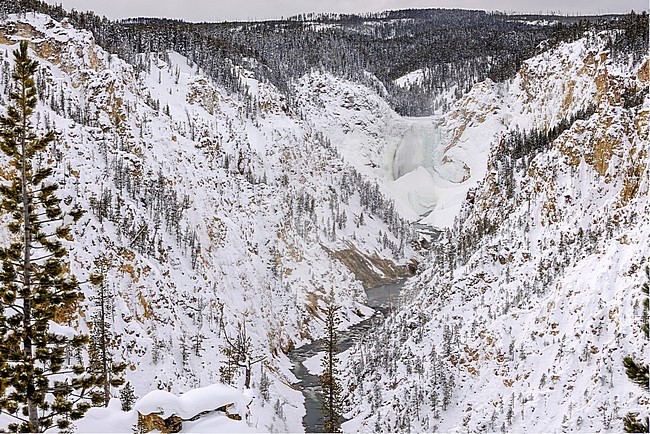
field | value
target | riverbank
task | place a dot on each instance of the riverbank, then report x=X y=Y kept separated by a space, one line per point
x=382 y=299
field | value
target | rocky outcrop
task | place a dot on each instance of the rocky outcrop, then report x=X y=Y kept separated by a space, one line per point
x=372 y=270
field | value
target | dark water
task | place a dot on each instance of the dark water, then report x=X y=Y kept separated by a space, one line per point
x=382 y=299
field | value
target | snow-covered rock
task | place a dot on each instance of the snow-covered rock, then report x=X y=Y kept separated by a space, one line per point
x=201 y=410
x=193 y=402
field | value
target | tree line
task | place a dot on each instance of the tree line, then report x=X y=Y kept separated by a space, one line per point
x=453 y=48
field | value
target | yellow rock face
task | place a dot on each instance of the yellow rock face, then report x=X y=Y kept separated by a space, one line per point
x=151 y=422
x=644 y=72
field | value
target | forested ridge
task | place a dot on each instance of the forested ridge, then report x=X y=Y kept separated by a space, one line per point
x=451 y=49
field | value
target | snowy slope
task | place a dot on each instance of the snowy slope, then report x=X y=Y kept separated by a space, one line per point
x=206 y=210
x=453 y=147
x=413 y=78
x=522 y=318
x=209 y=211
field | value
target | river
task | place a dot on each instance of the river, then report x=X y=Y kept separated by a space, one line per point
x=381 y=299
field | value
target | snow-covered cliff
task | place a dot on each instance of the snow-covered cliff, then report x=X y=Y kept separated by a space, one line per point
x=211 y=212
x=207 y=211
x=522 y=317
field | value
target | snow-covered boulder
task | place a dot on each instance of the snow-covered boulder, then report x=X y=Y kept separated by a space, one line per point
x=194 y=402
x=215 y=408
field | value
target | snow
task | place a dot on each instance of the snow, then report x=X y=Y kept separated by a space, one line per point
x=413 y=78
x=186 y=406
x=454 y=146
x=193 y=402
x=387 y=147
x=416 y=192
x=108 y=419
x=533 y=327
x=62 y=330
x=249 y=251
x=245 y=251
x=218 y=424
x=543 y=23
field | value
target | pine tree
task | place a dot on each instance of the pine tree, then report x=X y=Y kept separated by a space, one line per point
x=127 y=397
x=265 y=382
x=101 y=358
x=636 y=371
x=331 y=388
x=35 y=289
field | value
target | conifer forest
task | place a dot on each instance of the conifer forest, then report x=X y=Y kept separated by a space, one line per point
x=416 y=220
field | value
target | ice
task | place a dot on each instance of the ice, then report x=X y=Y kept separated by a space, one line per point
x=417 y=148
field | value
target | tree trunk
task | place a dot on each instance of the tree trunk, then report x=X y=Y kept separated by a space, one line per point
x=247 y=382
x=107 y=386
x=330 y=385
x=27 y=284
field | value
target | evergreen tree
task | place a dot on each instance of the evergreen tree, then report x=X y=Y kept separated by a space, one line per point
x=37 y=388
x=265 y=382
x=330 y=385
x=127 y=397
x=101 y=337
x=636 y=371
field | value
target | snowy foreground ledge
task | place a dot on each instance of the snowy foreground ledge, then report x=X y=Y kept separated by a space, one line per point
x=217 y=407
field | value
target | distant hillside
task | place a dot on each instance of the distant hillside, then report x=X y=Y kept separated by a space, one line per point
x=455 y=48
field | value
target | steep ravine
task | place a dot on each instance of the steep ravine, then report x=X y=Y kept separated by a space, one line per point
x=239 y=210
